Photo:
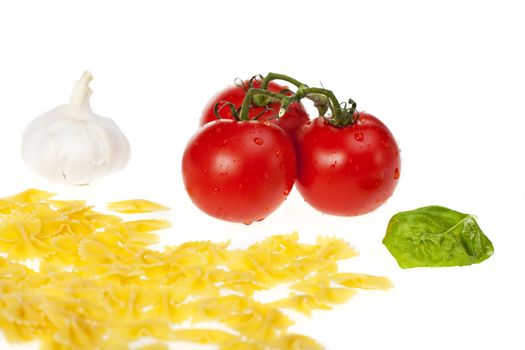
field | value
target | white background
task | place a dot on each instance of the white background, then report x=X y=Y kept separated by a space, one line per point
x=447 y=77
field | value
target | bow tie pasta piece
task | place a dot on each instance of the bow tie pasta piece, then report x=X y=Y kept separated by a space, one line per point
x=319 y=286
x=135 y=206
x=21 y=237
x=31 y=195
x=79 y=333
x=361 y=281
x=93 y=252
x=136 y=329
x=302 y=303
x=241 y=345
x=22 y=309
x=153 y=346
x=333 y=248
x=203 y=336
x=296 y=342
x=147 y=225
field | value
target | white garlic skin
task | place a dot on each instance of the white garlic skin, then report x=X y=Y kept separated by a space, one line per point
x=72 y=145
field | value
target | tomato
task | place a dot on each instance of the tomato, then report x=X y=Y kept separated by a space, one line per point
x=239 y=171
x=348 y=170
x=294 y=117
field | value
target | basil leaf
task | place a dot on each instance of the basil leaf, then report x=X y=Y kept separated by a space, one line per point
x=436 y=236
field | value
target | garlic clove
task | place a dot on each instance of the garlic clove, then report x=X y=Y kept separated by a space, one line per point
x=70 y=144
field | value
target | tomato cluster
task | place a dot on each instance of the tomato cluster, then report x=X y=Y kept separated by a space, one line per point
x=257 y=140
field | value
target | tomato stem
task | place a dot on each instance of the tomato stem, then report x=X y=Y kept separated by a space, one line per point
x=276 y=76
x=324 y=99
x=285 y=101
x=342 y=114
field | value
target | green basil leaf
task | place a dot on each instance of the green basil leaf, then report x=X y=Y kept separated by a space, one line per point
x=436 y=236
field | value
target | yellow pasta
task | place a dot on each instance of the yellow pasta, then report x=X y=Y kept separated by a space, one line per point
x=100 y=285
x=154 y=346
x=16 y=333
x=203 y=336
x=60 y=204
x=30 y=196
x=296 y=342
x=65 y=249
x=134 y=206
x=133 y=329
x=21 y=237
x=361 y=281
x=78 y=333
x=241 y=345
x=22 y=309
x=94 y=252
x=303 y=303
x=307 y=266
x=320 y=288
x=146 y=225
x=259 y=322
x=330 y=248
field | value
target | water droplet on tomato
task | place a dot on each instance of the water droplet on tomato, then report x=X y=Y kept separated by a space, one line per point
x=332 y=165
x=359 y=136
x=277 y=153
x=286 y=192
x=356 y=167
x=258 y=140
x=267 y=175
x=247 y=223
x=216 y=189
x=308 y=122
x=396 y=174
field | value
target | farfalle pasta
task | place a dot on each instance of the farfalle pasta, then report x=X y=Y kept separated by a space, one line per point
x=204 y=336
x=134 y=206
x=101 y=285
x=302 y=303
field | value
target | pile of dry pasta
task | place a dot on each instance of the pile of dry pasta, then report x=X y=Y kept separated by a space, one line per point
x=100 y=285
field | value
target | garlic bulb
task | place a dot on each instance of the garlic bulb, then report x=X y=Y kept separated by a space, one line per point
x=71 y=144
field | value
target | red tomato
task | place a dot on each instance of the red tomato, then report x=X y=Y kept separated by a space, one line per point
x=347 y=171
x=294 y=117
x=239 y=171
